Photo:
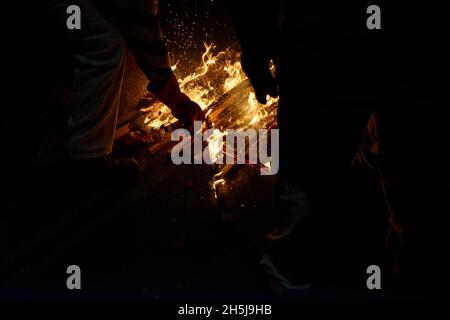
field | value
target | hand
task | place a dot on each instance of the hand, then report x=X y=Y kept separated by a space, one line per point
x=256 y=66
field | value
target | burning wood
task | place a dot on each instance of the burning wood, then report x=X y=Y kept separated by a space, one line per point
x=222 y=90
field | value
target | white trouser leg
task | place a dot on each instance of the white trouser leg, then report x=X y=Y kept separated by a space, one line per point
x=100 y=62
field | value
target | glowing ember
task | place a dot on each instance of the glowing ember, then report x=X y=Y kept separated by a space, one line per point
x=217 y=75
x=221 y=88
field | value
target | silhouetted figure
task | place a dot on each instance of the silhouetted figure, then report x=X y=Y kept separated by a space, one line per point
x=332 y=73
x=108 y=29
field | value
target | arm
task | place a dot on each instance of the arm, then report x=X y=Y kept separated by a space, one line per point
x=257 y=28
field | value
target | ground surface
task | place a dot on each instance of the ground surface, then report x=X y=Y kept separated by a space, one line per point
x=165 y=238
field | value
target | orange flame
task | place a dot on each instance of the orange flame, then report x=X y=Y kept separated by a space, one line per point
x=217 y=75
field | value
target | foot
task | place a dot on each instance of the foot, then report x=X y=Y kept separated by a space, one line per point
x=278 y=281
x=293 y=206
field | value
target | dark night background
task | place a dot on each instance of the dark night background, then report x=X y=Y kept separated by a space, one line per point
x=164 y=239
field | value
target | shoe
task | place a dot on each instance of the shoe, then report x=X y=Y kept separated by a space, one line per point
x=279 y=282
x=294 y=206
